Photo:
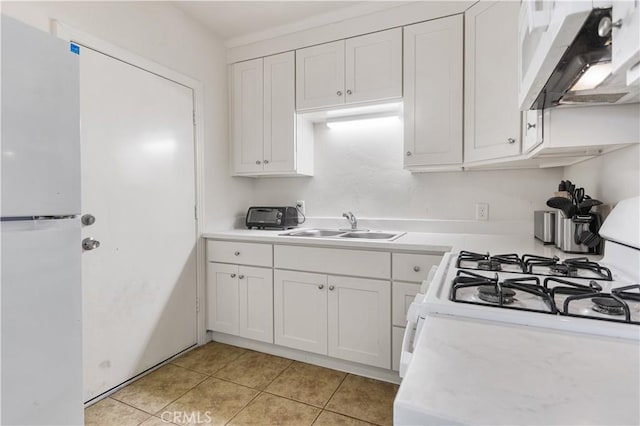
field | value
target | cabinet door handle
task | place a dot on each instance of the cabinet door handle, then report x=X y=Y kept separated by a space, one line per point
x=266 y=161
x=531 y=126
x=339 y=93
x=321 y=286
x=237 y=253
x=416 y=268
x=258 y=162
x=331 y=288
x=241 y=276
x=349 y=92
x=233 y=275
x=511 y=141
x=408 y=153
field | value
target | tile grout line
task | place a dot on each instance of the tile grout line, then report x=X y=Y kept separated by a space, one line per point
x=128 y=405
x=181 y=395
x=244 y=406
x=335 y=391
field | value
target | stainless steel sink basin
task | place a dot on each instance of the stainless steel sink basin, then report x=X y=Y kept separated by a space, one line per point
x=370 y=235
x=343 y=233
x=314 y=233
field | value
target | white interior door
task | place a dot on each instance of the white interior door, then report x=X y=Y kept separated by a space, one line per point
x=138 y=180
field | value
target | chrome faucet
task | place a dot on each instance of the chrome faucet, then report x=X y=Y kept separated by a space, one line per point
x=352 y=220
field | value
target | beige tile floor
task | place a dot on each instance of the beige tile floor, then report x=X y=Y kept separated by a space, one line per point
x=218 y=384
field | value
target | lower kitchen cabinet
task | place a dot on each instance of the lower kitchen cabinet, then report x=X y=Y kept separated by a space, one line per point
x=300 y=310
x=359 y=320
x=240 y=301
x=343 y=317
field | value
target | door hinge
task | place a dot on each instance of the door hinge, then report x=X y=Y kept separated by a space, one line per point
x=195 y=212
x=197 y=305
x=193 y=115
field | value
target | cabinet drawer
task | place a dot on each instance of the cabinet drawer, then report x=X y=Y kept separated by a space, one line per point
x=334 y=261
x=401 y=297
x=413 y=267
x=240 y=253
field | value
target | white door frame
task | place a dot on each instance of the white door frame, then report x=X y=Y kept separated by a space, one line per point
x=71 y=34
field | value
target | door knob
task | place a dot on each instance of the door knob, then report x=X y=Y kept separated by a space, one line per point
x=349 y=92
x=90 y=244
x=237 y=253
x=408 y=153
x=321 y=286
x=331 y=288
x=511 y=141
x=88 y=219
x=416 y=268
x=233 y=275
x=241 y=276
x=339 y=93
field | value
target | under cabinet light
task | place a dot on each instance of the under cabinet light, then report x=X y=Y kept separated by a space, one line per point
x=367 y=120
x=592 y=76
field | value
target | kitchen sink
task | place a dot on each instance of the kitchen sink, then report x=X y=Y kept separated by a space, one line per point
x=336 y=233
x=318 y=233
x=372 y=235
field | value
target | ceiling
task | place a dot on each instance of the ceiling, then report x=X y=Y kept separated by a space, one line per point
x=236 y=19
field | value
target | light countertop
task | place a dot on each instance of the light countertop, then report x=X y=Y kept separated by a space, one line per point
x=478 y=372
x=410 y=241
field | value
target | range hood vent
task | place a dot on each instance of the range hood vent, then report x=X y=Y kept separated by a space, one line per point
x=588 y=55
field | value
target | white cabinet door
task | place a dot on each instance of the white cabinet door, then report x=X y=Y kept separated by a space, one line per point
x=256 y=303
x=402 y=296
x=279 y=113
x=300 y=310
x=247 y=113
x=222 y=298
x=374 y=66
x=433 y=92
x=626 y=48
x=491 y=113
x=320 y=76
x=531 y=129
x=360 y=320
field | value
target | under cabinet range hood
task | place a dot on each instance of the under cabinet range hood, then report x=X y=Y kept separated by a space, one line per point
x=567 y=54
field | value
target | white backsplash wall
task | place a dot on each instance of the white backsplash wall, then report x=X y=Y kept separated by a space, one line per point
x=611 y=177
x=361 y=170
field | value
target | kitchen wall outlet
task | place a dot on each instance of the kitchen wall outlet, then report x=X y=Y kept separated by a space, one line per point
x=482 y=211
x=300 y=206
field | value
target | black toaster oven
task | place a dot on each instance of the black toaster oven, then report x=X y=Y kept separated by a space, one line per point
x=272 y=217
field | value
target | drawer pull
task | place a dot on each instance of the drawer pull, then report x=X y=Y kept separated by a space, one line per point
x=331 y=288
x=237 y=253
x=321 y=286
x=416 y=268
x=241 y=276
x=233 y=275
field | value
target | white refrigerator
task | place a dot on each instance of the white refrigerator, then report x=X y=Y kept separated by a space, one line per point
x=40 y=296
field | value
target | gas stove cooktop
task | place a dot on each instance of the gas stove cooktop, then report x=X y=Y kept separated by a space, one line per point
x=578 y=267
x=574 y=294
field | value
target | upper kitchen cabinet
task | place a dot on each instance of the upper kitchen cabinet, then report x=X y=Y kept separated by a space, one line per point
x=433 y=53
x=491 y=111
x=360 y=69
x=268 y=138
x=626 y=49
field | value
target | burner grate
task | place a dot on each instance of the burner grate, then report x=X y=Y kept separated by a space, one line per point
x=571 y=268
